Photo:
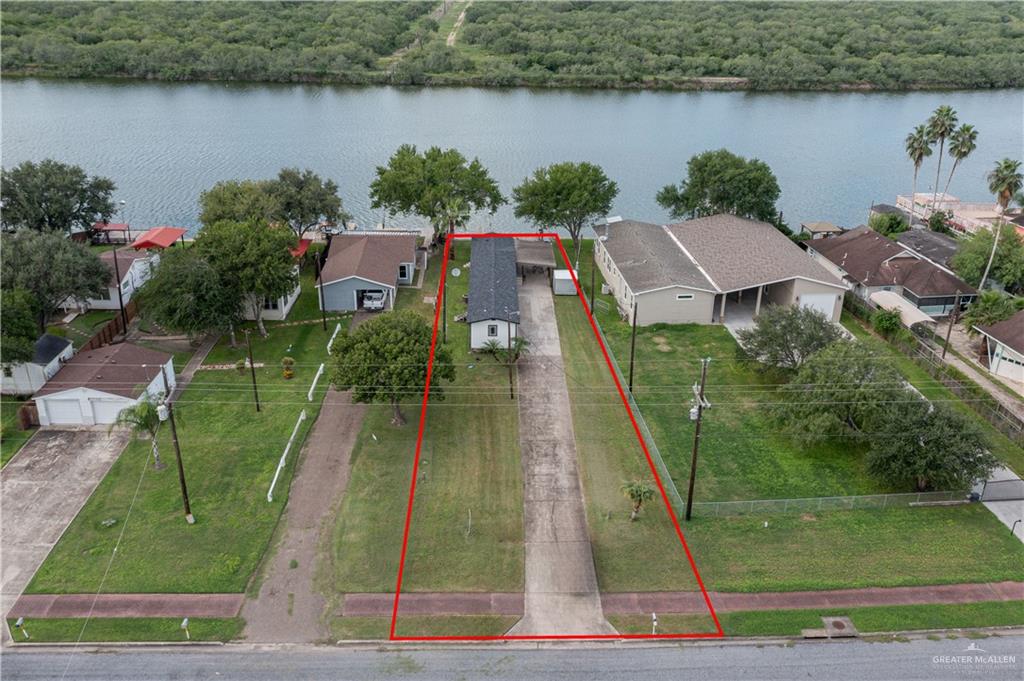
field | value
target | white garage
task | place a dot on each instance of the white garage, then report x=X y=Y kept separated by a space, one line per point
x=96 y=385
x=825 y=303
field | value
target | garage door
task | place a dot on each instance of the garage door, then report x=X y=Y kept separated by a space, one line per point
x=64 y=412
x=106 y=411
x=824 y=303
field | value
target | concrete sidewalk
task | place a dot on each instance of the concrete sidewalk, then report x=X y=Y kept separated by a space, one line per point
x=561 y=595
x=45 y=606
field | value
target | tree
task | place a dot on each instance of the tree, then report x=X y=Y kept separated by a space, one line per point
x=722 y=182
x=940 y=126
x=973 y=254
x=144 y=421
x=303 y=200
x=187 y=295
x=51 y=196
x=785 y=336
x=422 y=184
x=887 y=322
x=385 y=360
x=566 y=195
x=18 y=332
x=454 y=214
x=51 y=268
x=928 y=447
x=889 y=224
x=991 y=307
x=637 y=491
x=239 y=201
x=938 y=221
x=839 y=391
x=252 y=260
x=919 y=147
x=961 y=144
x=1004 y=181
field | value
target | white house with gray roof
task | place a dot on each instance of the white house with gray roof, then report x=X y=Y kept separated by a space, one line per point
x=493 y=306
x=709 y=270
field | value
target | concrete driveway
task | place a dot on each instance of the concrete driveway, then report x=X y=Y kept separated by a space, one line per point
x=561 y=595
x=43 y=488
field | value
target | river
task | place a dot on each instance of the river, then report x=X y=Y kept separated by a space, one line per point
x=164 y=143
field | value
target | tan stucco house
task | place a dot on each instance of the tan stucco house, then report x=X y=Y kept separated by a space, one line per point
x=709 y=270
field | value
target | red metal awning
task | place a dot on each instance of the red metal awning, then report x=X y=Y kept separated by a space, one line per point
x=159 y=237
x=301 y=249
x=110 y=226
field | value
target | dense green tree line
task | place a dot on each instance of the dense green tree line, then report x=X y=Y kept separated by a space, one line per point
x=274 y=41
x=773 y=45
x=764 y=45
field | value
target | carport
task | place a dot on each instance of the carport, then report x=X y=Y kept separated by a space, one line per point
x=535 y=257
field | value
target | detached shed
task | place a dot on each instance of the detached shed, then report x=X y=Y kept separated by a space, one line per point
x=563 y=284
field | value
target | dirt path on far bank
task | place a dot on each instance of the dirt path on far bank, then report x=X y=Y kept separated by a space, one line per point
x=288 y=608
x=458 y=24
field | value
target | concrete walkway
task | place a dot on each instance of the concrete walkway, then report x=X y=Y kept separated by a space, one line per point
x=561 y=595
x=189 y=371
x=288 y=608
x=43 y=488
x=128 y=605
x=687 y=602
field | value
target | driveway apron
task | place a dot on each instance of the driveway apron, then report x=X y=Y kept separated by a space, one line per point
x=561 y=594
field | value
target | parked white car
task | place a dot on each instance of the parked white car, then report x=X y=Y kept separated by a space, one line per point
x=373 y=300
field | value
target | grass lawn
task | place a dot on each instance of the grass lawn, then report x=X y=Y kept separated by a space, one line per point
x=83 y=326
x=230 y=453
x=867 y=620
x=743 y=455
x=469 y=468
x=645 y=555
x=1000 y=445
x=853 y=549
x=104 y=630
x=378 y=628
x=11 y=437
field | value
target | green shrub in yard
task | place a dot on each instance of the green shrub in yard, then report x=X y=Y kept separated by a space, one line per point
x=887 y=322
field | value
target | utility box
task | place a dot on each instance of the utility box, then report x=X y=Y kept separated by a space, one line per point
x=562 y=283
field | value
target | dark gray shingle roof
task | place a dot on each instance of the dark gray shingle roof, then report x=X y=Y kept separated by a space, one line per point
x=47 y=347
x=938 y=248
x=493 y=281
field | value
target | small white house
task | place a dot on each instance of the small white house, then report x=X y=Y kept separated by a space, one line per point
x=96 y=385
x=24 y=378
x=135 y=268
x=493 y=309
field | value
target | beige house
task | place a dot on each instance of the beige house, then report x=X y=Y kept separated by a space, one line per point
x=709 y=270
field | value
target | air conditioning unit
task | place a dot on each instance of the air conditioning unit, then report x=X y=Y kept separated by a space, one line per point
x=605 y=290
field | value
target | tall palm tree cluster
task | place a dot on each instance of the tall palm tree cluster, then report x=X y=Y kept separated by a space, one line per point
x=940 y=126
x=1004 y=181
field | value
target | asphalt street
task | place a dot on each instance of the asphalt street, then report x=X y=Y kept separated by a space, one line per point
x=990 y=658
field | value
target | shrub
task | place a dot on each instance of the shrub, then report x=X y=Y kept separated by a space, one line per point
x=887 y=322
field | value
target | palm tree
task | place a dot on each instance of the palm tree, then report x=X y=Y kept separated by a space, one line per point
x=454 y=214
x=961 y=143
x=1005 y=180
x=941 y=125
x=144 y=421
x=919 y=147
x=638 y=492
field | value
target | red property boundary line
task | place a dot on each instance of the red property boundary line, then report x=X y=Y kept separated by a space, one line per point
x=718 y=633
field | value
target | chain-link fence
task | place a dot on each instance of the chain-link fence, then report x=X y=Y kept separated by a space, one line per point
x=659 y=463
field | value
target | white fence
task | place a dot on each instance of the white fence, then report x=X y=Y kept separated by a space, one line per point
x=284 y=455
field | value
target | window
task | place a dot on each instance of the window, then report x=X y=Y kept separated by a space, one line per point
x=105 y=295
x=7 y=371
x=684 y=296
x=403 y=271
x=269 y=304
x=492 y=330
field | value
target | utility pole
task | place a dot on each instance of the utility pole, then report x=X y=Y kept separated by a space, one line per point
x=444 y=310
x=593 y=278
x=952 y=321
x=177 y=448
x=252 y=367
x=320 y=280
x=120 y=296
x=632 y=349
x=697 y=414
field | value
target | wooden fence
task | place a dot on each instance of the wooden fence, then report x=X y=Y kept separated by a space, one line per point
x=112 y=329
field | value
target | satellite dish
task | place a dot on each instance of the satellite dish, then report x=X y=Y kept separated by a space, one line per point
x=456 y=271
